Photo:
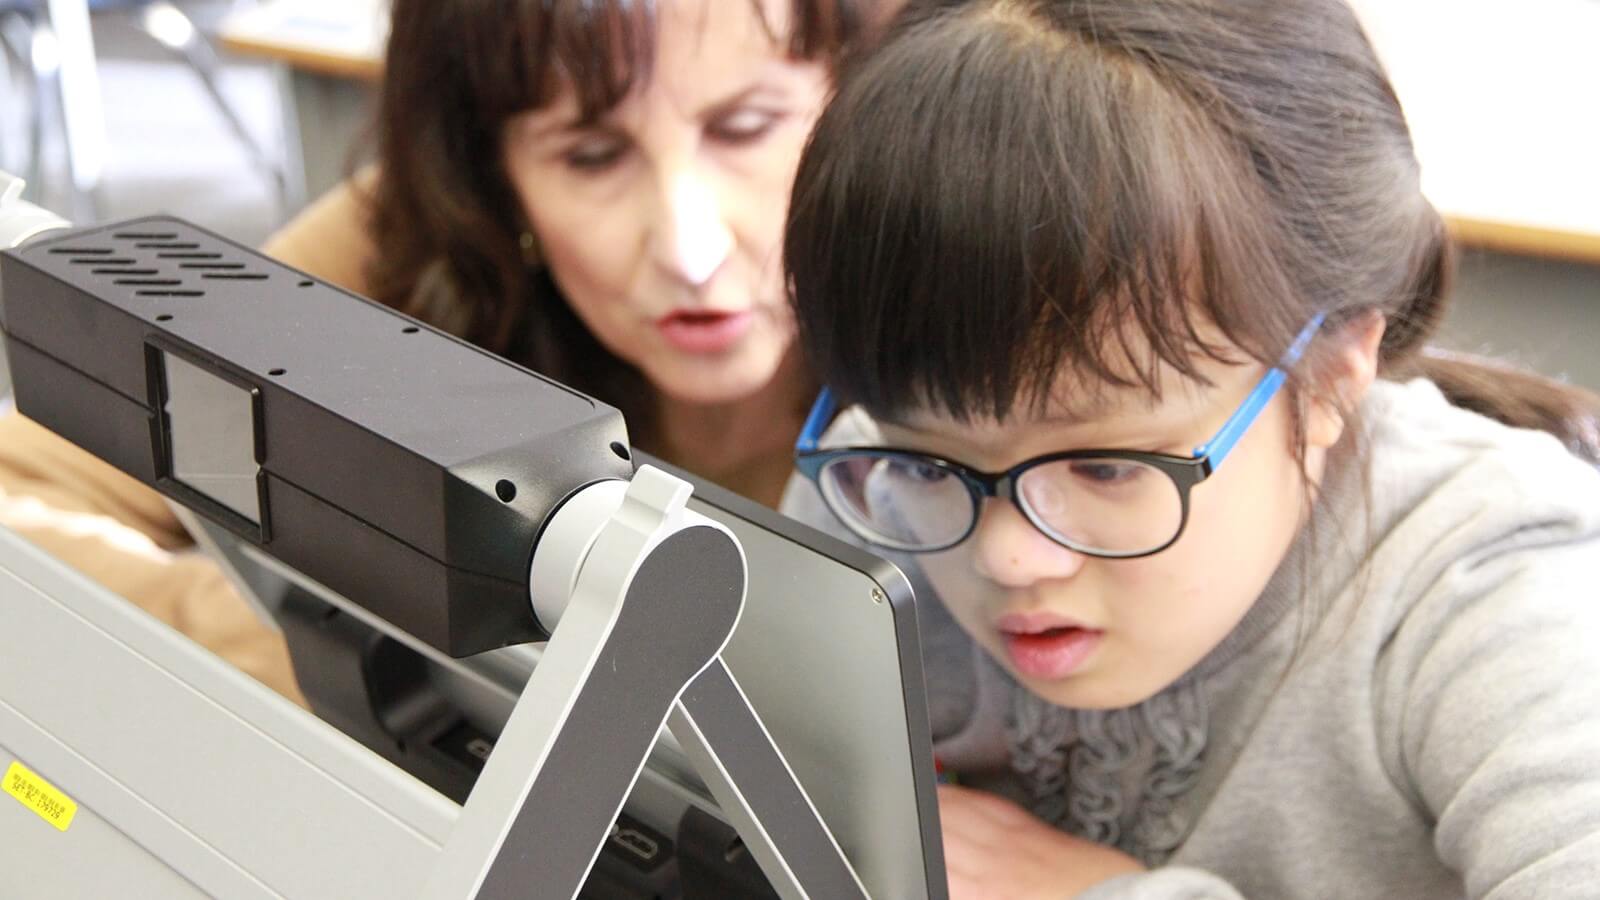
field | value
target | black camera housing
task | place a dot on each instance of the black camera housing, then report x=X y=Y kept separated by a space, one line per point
x=395 y=464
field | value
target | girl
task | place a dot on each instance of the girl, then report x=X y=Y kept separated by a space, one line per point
x=595 y=190
x=1127 y=300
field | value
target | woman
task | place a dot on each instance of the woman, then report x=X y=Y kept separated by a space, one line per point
x=593 y=189
x=597 y=191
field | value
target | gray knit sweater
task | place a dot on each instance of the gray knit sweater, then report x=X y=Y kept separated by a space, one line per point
x=1411 y=709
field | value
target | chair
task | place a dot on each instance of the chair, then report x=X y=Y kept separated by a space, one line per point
x=50 y=41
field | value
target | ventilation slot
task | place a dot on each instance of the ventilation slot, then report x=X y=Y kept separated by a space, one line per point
x=138 y=260
x=146 y=235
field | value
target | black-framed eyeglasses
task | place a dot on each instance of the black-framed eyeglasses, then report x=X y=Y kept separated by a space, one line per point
x=1117 y=504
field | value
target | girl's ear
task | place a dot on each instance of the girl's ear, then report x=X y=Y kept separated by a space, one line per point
x=1348 y=373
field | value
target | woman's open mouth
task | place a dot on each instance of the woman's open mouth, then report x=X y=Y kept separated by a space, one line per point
x=704 y=331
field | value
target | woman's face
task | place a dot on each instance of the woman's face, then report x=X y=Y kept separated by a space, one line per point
x=1100 y=633
x=662 y=221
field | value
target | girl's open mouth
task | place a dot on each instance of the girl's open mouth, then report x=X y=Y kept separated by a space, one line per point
x=1039 y=649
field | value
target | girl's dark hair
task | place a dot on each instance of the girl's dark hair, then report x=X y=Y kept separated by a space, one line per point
x=1006 y=191
x=444 y=216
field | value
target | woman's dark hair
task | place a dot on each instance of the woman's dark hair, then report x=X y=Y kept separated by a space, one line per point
x=1006 y=191
x=444 y=216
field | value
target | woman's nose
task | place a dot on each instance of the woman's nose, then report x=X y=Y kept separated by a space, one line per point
x=1010 y=552
x=692 y=238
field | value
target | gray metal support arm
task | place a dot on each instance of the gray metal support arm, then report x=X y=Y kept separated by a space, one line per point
x=757 y=791
x=655 y=595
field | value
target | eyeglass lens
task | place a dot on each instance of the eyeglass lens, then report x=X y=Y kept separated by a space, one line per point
x=1097 y=505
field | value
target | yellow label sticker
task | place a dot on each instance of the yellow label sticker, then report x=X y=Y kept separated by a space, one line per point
x=39 y=795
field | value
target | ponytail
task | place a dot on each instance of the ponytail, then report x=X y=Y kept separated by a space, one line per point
x=1504 y=392
x=1517 y=397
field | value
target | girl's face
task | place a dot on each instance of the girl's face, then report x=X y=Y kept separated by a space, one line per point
x=1101 y=633
x=662 y=221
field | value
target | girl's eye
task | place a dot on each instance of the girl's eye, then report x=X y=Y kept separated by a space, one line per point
x=595 y=154
x=742 y=126
x=920 y=472
x=1105 y=471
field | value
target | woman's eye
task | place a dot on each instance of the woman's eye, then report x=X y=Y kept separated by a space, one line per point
x=595 y=154
x=742 y=126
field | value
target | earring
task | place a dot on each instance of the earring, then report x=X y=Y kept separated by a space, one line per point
x=530 y=248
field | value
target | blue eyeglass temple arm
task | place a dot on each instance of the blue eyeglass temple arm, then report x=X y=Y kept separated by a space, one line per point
x=821 y=414
x=1216 y=449
x=1213 y=451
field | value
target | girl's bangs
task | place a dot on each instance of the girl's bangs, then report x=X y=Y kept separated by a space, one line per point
x=977 y=249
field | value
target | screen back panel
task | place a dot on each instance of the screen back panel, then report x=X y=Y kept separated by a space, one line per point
x=827 y=651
